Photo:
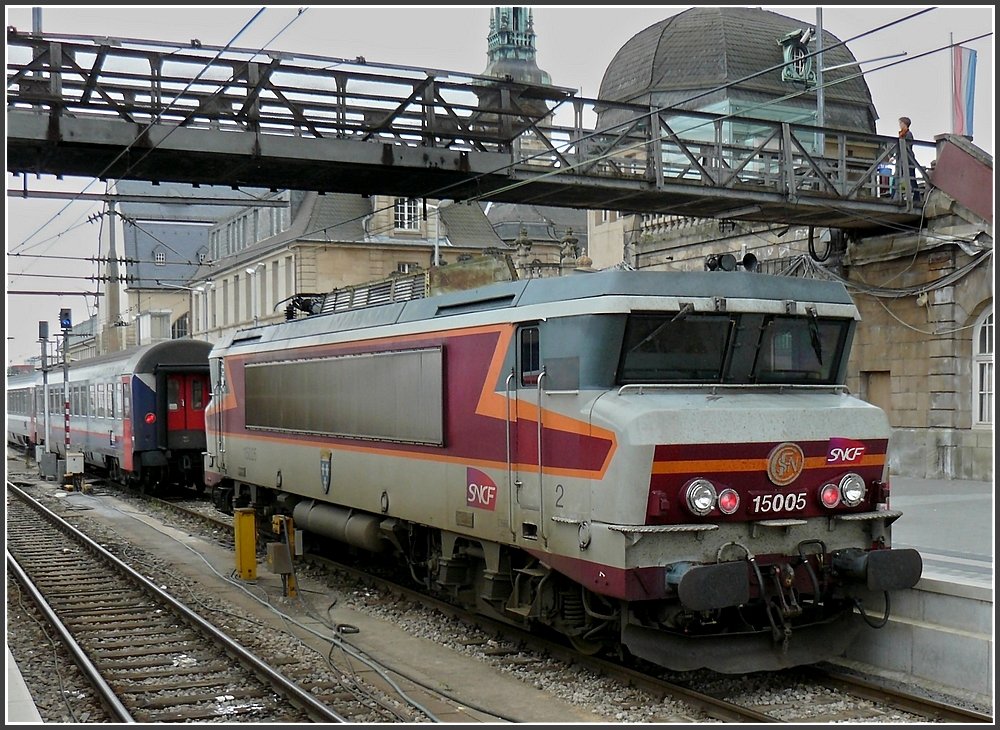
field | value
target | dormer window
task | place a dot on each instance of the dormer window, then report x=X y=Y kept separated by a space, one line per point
x=406 y=215
x=159 y=258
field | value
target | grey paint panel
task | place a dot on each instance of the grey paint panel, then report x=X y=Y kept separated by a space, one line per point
x=387 y=396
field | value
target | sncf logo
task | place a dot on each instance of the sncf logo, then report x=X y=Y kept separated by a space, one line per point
x=480 y=491
x=785 y=463
x=844 y=451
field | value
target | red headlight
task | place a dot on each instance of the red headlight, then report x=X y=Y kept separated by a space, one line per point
x=829 y=495
x=150 y=418
x=729 y=501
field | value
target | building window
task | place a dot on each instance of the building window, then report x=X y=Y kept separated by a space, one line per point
x=236 y=299
x=160 y=258
x=407 y=267
x=982 y=369
x=407 y=215
x=180 y=328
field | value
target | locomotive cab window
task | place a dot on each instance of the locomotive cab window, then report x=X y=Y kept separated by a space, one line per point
x=672 y=347
x=529 y=355
x=800 y=350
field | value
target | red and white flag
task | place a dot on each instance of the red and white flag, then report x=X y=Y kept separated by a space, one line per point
x=963 y=70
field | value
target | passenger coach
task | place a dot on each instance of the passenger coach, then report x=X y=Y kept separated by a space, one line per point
x=138 y=414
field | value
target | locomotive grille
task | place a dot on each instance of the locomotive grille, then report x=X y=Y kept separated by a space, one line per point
x=394 y=289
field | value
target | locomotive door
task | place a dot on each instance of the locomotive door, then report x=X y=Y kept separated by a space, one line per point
x=526 y=491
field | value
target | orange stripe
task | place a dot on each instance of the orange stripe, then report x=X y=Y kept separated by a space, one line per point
x=717 y=465
x=418 y=455
x=491 y=404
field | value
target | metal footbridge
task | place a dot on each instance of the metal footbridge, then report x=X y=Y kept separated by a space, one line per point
x=149 y=110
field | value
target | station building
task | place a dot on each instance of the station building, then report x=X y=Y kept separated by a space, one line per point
x=924 y=348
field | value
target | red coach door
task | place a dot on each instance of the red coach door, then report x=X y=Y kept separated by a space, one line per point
x=187 y=396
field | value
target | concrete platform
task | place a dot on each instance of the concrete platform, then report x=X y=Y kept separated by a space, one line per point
x=940 y=632
x=20 y=706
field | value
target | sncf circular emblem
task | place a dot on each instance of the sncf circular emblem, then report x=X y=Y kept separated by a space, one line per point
x=785 y=463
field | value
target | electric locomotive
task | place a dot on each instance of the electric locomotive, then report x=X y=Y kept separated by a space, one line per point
x=666 y=464
x=138 y=414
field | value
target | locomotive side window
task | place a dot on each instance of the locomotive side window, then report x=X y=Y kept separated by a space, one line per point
x=530 y=355
x=675 y=347
x=800 y=350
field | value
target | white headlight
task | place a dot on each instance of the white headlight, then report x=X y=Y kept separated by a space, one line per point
x=700 y=497
x=852 y=489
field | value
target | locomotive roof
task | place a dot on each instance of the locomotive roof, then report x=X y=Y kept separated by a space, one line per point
x=550 y=291
x=583 y=285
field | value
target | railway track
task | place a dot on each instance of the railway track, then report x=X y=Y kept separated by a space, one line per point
x=838 y=697
x=709 y=704
x=151 y=658
x=932 y=710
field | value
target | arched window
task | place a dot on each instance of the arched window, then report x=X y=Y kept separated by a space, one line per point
x=982 y=370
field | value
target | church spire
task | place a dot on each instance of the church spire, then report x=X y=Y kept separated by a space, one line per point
x=511 y=46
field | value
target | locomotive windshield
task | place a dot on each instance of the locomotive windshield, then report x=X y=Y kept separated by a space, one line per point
x=742 y=348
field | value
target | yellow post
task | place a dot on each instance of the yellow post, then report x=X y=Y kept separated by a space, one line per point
x=245 y=529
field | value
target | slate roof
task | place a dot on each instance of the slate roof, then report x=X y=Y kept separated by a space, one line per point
x=467 y=226
x=336 y=217
x=543 y=223
x=705 y=47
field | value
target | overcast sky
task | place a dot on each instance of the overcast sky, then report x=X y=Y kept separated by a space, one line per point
x=575 y=45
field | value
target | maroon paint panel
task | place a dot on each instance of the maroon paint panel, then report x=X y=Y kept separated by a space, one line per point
x=630 y=584
x=666 y=498
x=468 y=435
x=753 y=450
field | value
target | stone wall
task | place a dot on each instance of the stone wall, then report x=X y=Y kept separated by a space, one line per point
x=921 y=346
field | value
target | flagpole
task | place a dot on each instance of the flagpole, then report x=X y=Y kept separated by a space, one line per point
x=951 y=74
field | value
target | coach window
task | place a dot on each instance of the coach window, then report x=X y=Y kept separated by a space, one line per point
x=530 y=355
x=197 y=395
x=982 y=370
x=126 y=404
x=173 y=394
